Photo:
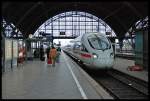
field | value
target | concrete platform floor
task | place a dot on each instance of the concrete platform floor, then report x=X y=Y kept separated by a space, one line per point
x=37 y=80
x=122 y=65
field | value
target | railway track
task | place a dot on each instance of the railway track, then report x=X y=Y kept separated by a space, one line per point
x=118 y=84
x=121 y=87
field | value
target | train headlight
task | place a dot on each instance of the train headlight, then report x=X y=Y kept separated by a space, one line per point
x=95 y=56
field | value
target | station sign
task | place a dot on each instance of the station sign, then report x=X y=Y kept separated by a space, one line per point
x=62 y=33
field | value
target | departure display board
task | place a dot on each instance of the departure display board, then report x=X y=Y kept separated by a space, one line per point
x=62 y=33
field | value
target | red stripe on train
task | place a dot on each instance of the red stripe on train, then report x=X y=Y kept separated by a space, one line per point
x=86 y=55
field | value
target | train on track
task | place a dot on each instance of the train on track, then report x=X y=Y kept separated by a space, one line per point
x=95 y=50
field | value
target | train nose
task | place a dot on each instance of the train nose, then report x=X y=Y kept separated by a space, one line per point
x=109 y=62
x=103 y=61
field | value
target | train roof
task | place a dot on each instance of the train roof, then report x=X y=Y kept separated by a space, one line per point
x=78 y=39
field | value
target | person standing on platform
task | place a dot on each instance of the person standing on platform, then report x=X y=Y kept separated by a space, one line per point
x=52 y=55
x=47 y=52
x=42 y=58
x=58 y=54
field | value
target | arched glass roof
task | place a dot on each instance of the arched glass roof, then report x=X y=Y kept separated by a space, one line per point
x=74 y=23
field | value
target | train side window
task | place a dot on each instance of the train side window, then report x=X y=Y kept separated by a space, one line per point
x=74 y=46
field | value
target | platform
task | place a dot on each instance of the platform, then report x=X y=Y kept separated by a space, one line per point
x=37 y=80
x=122 y=65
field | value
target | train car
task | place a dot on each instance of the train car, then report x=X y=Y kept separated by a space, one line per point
x=93 y=49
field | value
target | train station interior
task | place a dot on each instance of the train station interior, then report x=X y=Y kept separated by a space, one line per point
x=74 y=50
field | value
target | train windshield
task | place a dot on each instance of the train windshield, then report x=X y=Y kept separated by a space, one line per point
x=98 y=42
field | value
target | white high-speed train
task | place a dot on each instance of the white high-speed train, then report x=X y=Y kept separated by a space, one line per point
x=93 y=49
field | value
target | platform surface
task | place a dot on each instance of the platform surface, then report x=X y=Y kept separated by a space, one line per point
x=122 y=65
x=37 y=80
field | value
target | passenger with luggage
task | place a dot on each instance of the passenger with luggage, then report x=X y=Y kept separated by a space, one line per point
x=52 y=55
x=49 y=61
x=47 y=52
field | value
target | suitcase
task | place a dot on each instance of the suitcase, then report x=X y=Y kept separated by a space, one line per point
x=49 y=61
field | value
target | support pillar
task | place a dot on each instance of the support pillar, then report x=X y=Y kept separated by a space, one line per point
x=141 y=48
